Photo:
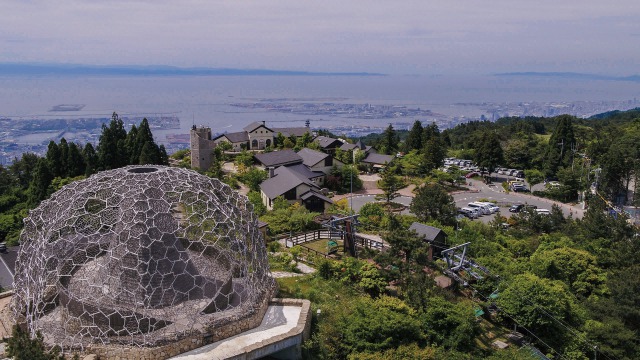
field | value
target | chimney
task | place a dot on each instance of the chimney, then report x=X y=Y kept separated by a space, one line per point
x=270 y=170
x=264 y=123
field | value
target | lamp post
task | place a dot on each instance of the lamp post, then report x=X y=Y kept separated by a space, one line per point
x=353 y=161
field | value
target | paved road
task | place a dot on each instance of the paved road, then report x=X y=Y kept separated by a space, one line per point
x=480 y=190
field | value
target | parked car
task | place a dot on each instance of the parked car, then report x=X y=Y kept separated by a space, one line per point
x=493 y=207
x=471 y=213
x=543 y=211
x=472 y=174
x=516 y=208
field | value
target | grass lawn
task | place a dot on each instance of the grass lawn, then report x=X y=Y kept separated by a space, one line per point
x=321 y=245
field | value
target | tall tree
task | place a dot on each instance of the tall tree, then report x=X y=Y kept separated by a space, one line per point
x=90 y=159
x=112 y=152
x=39 y=187
x=414 y=139
x=54 y=159
x=432 y=156
x=64 y=156
x=144 y=137
x=148 y=155
x=489 y=152
x=561 y=142
x=75 y=162
x=134 y=149
x=528 y=299
x=24 y=168
x=433 y=150
x=389 y=141
x=164 y=157
x=390 y=183
x=432 y=202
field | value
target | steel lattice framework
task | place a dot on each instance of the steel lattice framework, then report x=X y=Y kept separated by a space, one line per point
x=140 y=256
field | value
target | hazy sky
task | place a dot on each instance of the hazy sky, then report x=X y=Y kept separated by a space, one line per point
x=396 y=37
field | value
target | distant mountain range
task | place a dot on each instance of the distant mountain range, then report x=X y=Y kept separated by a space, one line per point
x=572 y=75
x=159 y=70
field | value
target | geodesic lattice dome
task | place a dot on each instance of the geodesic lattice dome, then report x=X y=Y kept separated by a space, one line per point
x=141 y=255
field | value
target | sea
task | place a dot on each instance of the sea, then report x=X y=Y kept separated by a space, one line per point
x=213 y=100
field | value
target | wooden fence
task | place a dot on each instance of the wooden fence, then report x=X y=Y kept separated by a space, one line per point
x=292 y=239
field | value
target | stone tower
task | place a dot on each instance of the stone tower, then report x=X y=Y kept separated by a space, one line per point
x=201 y=146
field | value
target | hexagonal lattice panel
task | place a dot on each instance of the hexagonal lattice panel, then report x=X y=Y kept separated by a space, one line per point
x=140 y=256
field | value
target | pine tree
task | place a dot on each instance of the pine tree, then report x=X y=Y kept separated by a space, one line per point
x=90 y=159
x=133 y=148
x=389 y=183
x=489 y=152
x=54 y=159
x=148 y=155
x=389 y=141
x=39 y=187
x=429 y=132
x=20 y=346
x=112 y=152
x=432 y=202
x=414 y=139
x=433 y=150
x=75 y=162
x=64 y=154
x=164 y=158
x=148 y=148
x=559 y=152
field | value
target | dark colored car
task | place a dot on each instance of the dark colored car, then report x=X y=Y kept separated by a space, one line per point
x=516 y=208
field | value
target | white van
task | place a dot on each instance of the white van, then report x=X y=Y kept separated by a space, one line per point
x=484 y=210
x=543 y=211
x=493 y=207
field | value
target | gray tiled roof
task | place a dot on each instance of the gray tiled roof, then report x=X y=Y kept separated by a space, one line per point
x=311 y=157
x=285 y=180
x=295 y=131
x=235 y=137
x=428 y=232
x=301 y=169
x=380 y=159
x=311 y=193
x=254 y=125
x=325 y=142
x=278 y=158
x=358 y=145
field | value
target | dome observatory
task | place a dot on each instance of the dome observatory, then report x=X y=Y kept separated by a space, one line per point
x=141 y=256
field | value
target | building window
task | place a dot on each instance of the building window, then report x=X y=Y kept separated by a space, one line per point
x=268 y=142
x=254 y=144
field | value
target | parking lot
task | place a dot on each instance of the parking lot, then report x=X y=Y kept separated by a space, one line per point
x=479 y=191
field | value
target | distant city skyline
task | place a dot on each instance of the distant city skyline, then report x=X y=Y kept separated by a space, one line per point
x=409 y=37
